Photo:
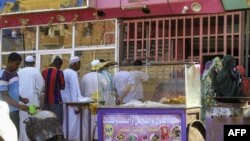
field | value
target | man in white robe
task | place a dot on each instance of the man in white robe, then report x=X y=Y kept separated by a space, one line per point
x=31 y=84
x=129 y=84
x=72 y=93
x=92 y=83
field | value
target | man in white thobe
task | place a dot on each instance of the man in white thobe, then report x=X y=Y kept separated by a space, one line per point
x=31 y=84
x=92 y=83
x=72 y=93
x=132 y=82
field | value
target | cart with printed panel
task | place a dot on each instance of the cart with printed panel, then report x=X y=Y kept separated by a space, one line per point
x=169 y=110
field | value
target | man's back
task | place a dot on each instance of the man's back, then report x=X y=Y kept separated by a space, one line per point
x=120 y=81
x=54 y=81
x=31 y=83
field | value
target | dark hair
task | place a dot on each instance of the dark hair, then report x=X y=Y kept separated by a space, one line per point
x=29 y=63
x=137 y=63
x=57 y=61
x=14 y=57
x=102 y=60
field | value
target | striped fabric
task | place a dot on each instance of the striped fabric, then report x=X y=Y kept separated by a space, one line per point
x=54 y=80
x=9 y=82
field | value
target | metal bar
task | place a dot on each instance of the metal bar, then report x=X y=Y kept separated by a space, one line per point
x=127 y=40
x=232 y=35
x=176 y=39
x=240 y=54
x=163 y=40
x=142 y=54
x=135 y=40
x=169 y=39
x=156 y=41
x=216 y=33
x=201 y=39
x=184 y=37
x=208 y=35
x=225 y=35
x=192 y=39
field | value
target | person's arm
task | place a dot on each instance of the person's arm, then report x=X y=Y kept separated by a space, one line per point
x=24 y=100
x=61 y=81
x=39 y=83
x=125 y=92
x=12 y=102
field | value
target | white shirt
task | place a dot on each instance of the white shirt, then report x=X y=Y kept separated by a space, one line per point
x=90 y=84
x=120 y=81
x=71 y=93
x=72 y=87
x=134 y=79
x=31 y=84
x=93 y=82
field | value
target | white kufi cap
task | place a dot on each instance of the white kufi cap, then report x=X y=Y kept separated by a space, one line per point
x=29 y=58
x=74 y=59
x=95 y=62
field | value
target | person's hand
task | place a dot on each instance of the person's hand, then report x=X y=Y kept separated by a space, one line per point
x=25 y=100
x=119 y=100
x=24 y=108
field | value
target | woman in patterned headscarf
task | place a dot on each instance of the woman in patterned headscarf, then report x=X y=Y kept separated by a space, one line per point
x=207 y=83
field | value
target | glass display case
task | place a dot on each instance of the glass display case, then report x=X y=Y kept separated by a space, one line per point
x=177 y=84
x=170 y=102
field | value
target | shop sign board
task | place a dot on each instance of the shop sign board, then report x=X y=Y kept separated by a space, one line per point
x=10 y=6
x=236 y=4
x=141 y=127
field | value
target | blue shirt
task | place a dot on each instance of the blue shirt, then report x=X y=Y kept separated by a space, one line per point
x=9 y=82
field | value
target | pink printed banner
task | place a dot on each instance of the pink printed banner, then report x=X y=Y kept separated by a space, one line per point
x=142 y=127
x=136 y=0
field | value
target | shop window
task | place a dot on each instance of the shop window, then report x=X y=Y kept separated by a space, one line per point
x=153 y=29
x=188 y=27
x=55 y=36
x=236 y=23
x=146 y=30
x=229 y=24
x=185 y=39
x=166 y=28
x=220 y=24
x=19 y=39
x=173 y=27
x=96 y=33
x=205 y=26
x=196 y=26
x=212 y=24
x=47 y=59
x=160 y=29
x=220 y=44
x=87 y=56
x=139 y=30
x=180 y=27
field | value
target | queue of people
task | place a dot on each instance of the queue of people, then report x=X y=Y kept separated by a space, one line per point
x=53 y=87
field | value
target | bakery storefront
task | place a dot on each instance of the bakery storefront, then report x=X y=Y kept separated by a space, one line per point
x=46 y=29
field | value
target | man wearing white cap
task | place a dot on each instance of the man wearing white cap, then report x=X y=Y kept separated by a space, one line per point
x=31 y=84
x=72 y=93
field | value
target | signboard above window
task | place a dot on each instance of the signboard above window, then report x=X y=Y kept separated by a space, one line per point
x=11 y=6
x=236 y=4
